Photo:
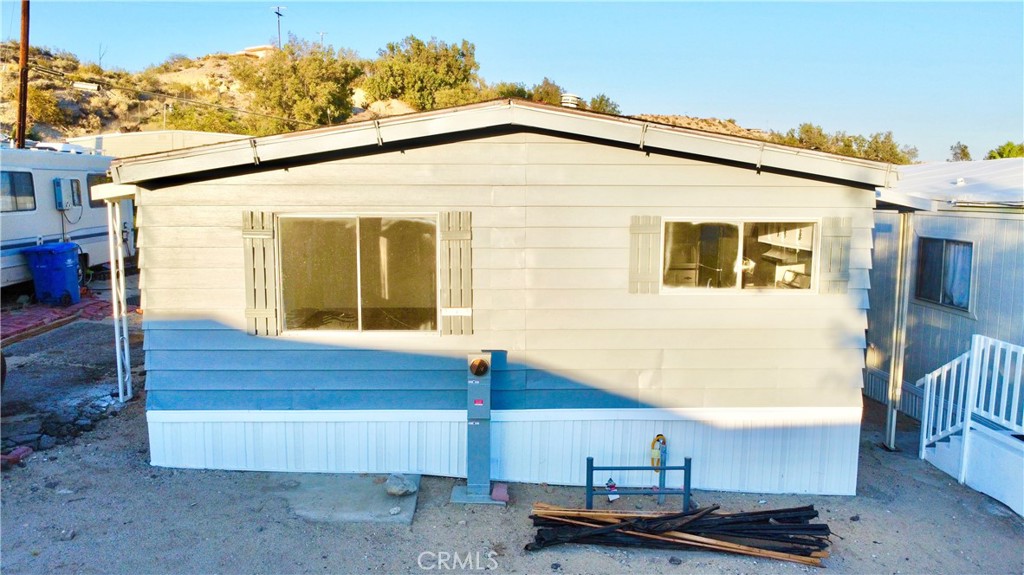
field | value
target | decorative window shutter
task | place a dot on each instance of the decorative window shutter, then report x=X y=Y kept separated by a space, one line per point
x=644 y=254
x=456 y=273
x=260 y=273
x=835 y=254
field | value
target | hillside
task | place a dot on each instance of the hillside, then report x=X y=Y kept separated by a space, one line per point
x=133 y=102
x=269 y=91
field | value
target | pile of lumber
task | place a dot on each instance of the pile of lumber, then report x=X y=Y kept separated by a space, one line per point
x=784 y=534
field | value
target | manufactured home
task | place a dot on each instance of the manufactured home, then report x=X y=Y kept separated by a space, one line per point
x=46 y=199
x=964 y=306
x=311 y=299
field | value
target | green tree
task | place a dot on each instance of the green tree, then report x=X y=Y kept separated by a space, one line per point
x=881 y=147
x=512 y=90
x=958 y=152
x=43 y=106
x=425 y=75
x=548 y=92
x=203 y=119
x=604 y=105
x=302 y=83
x=1007 y=150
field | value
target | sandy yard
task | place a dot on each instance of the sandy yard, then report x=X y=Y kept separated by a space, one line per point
x=95 y=505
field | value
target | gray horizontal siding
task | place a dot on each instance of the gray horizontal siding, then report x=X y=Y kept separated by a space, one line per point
x=550 y=256
x=936 y=335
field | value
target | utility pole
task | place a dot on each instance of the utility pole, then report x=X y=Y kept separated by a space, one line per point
x=19 y=137
x=277 y=10
x=322 y=34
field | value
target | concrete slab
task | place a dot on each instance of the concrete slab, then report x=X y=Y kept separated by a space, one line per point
x=354 y=498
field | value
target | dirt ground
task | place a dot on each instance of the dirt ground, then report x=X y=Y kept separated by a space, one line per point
x=95 y=505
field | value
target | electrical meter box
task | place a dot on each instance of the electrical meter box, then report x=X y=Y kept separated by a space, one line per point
x=478 y=386
x=66 y=193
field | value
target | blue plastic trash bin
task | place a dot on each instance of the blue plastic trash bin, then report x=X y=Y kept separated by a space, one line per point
x=55 y=272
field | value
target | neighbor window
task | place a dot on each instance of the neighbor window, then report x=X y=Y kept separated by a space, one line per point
x=747 y=255
x=359 y=273
x=944 y=272
x=19 y=193
x=92 y=180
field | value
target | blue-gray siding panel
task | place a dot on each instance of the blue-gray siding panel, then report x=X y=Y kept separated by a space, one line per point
x=302 y=379
x=378 y=399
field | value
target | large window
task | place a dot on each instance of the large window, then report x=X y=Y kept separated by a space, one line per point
x=19 y=193
x=738 y=255
x=359 y=273
x=944 y=272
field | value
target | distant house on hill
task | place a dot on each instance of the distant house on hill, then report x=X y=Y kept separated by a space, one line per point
x=257 y=51
x=311 y=298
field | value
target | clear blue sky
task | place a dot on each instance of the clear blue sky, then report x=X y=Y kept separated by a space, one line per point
x=932 y=73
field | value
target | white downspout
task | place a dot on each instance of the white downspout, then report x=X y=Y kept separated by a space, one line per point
x=899 y=329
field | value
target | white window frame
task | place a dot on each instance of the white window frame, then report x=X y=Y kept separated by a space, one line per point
x=283 y=329
x=738 y=288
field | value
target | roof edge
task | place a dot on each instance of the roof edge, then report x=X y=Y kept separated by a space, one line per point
x=643 y=134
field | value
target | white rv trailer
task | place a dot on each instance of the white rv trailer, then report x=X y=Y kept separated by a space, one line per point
x=45 y=198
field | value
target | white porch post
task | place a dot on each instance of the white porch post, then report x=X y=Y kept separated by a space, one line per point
x=117 y=301
x=971 y=401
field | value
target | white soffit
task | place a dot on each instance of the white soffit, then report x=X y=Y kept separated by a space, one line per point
x=112 y=192
x=411 y=127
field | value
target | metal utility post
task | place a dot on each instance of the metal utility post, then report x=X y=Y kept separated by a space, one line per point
x=19 y=137
x=277 y=10
x=478 y=433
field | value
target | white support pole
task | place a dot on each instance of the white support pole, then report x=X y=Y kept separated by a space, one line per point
x=973 y=383
x=117 y=301
x=122 y=304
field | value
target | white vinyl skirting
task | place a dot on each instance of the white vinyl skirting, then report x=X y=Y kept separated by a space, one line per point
x=761 y=450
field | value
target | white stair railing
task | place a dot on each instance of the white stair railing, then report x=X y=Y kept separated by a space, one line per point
x=1001 y=383
x=987 y=381
x=942 y=413
x=995 y=389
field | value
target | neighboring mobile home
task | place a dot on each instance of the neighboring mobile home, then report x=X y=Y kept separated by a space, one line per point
x=963 y=348
x=310 y=298
x=967 y=268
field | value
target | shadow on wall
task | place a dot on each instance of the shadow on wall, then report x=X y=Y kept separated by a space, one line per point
x=283 y=404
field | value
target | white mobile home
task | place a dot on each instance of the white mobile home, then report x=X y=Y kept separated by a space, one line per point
x=311 y=298
x=965 y=305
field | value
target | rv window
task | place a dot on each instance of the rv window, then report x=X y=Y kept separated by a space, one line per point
x=92 y=180
x=19 y=194
x=359 y=273
x=76 y=192
x=944 y=272
x=738 y=255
